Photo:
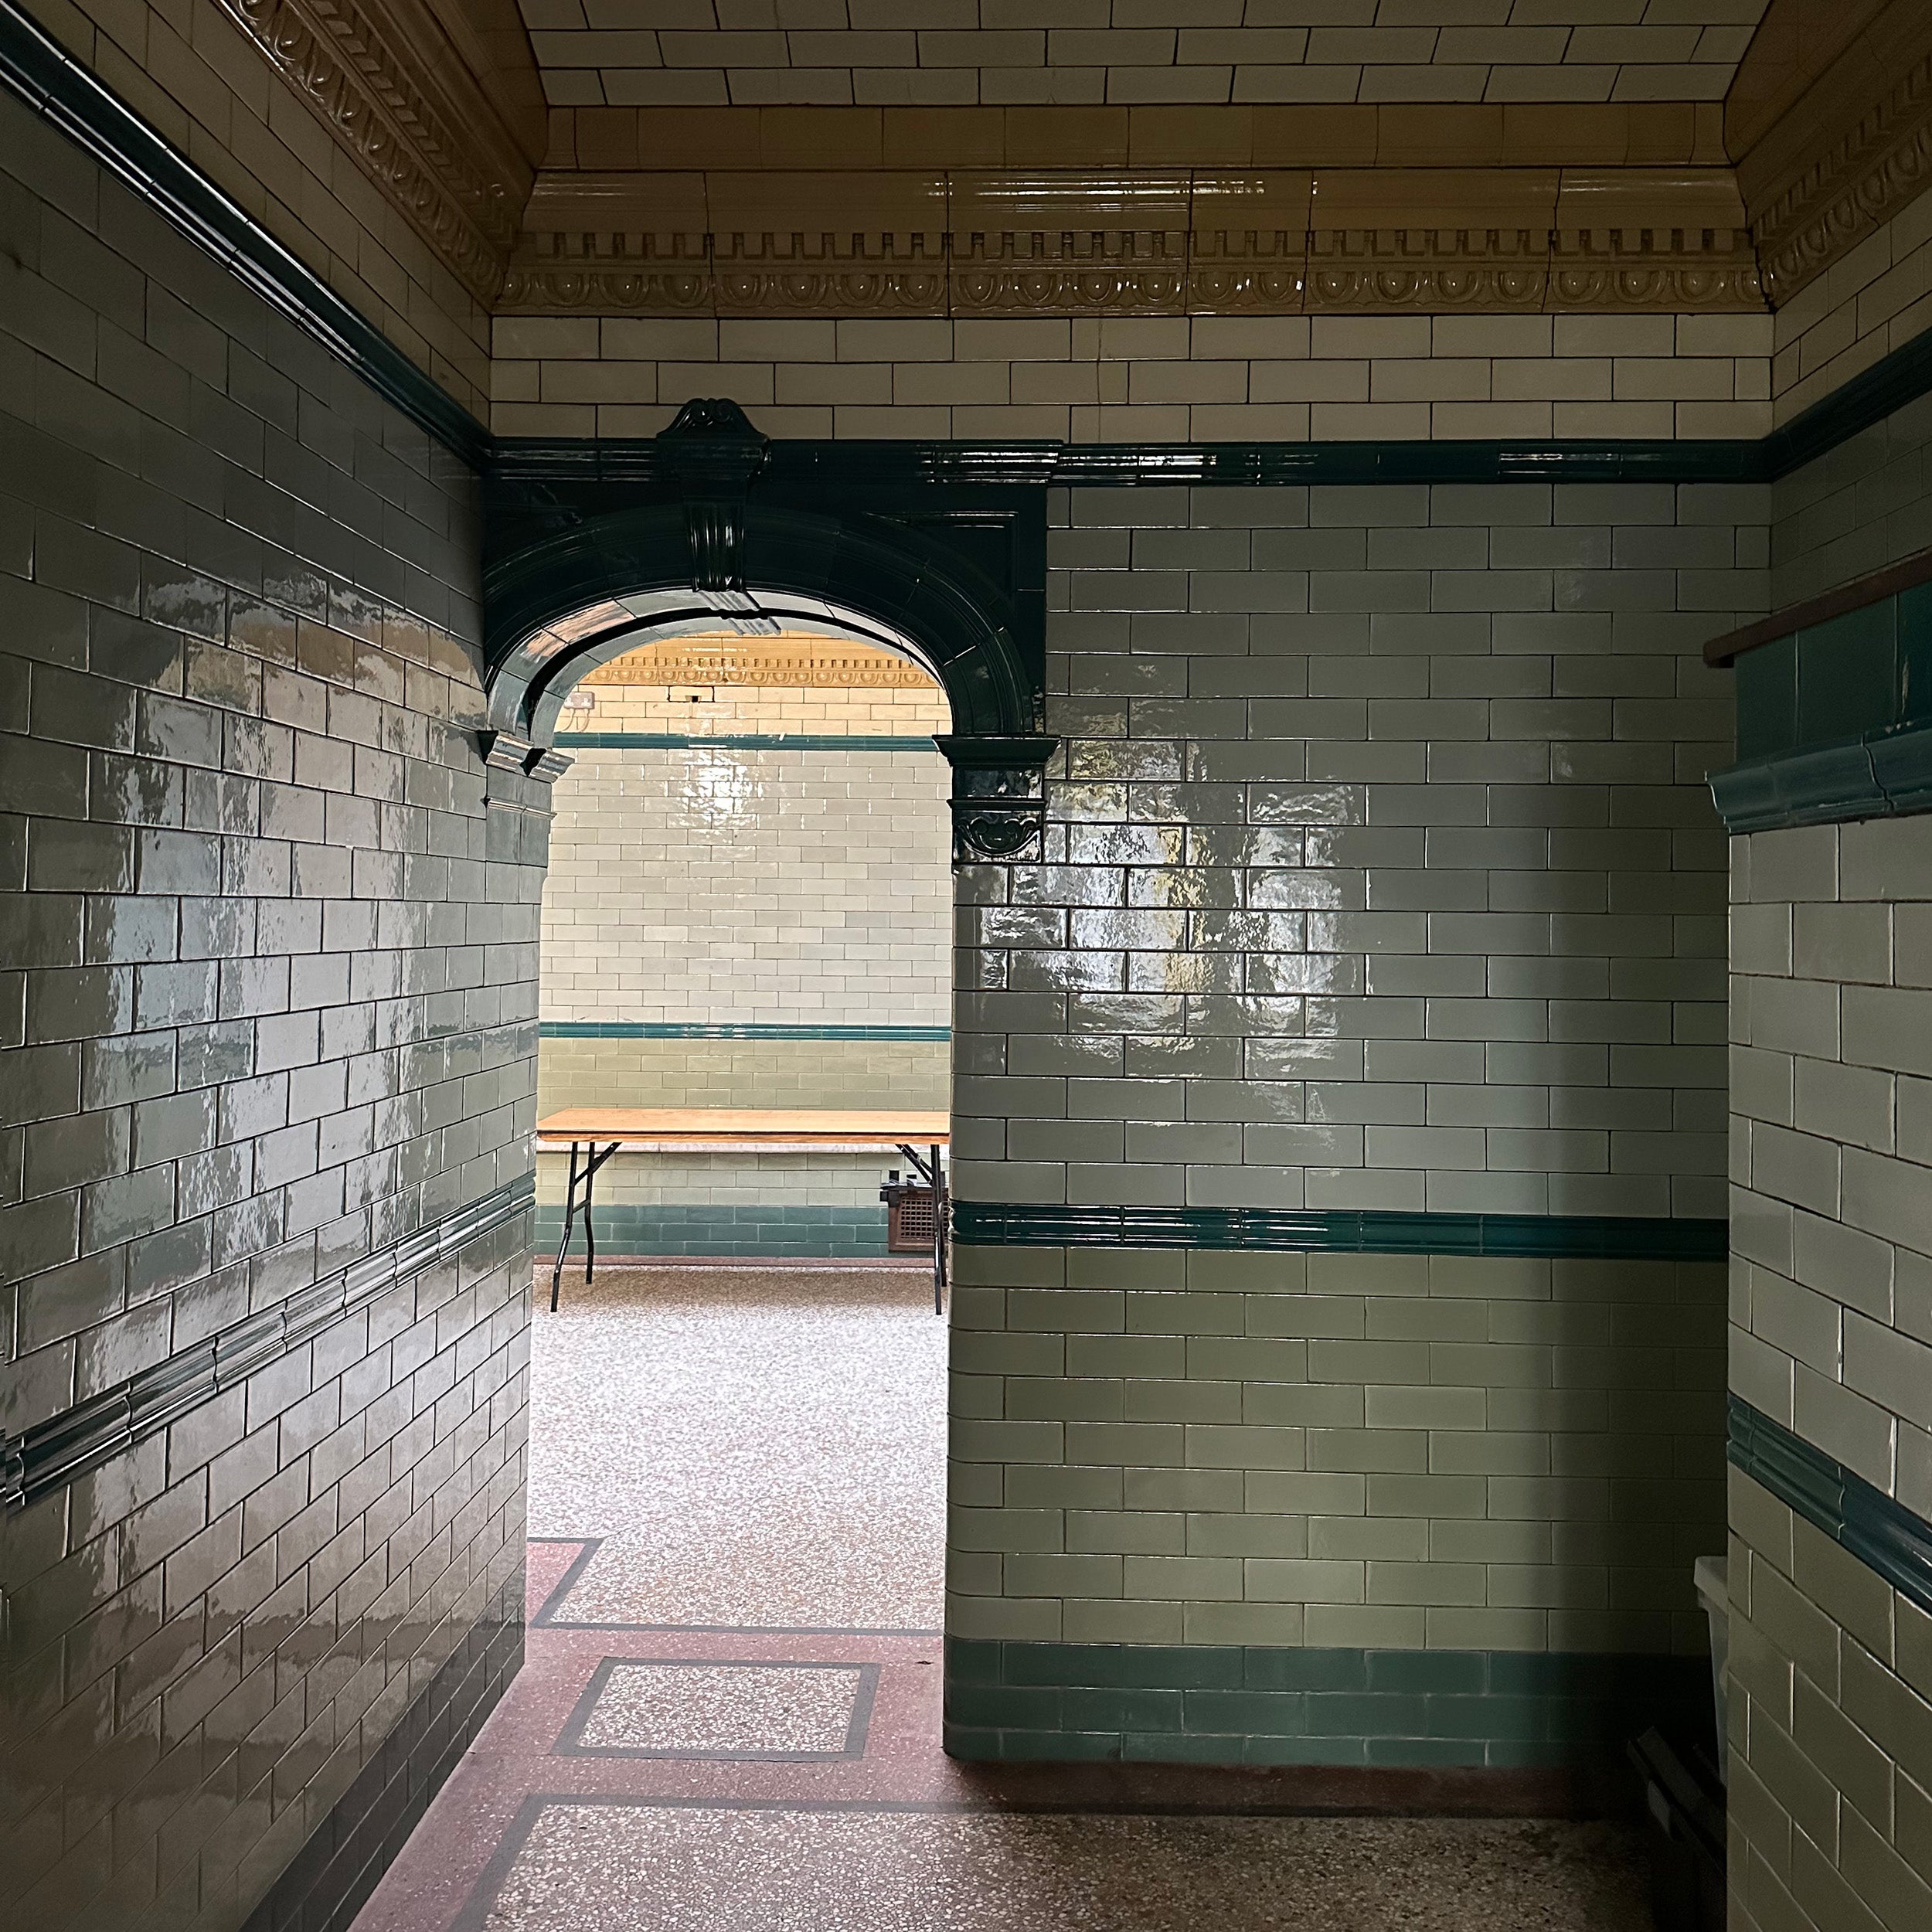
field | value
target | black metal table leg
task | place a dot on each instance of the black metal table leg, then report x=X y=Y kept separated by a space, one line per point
x=589 y=1220
x=570 y=1215
x=941 y=1199
x=585 y=1177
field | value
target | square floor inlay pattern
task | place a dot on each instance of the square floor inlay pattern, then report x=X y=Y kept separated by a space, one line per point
x=640 y=1708
x=583 y=1865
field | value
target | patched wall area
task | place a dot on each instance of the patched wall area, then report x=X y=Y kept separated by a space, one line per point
x=750 y=906
x=268 y=1078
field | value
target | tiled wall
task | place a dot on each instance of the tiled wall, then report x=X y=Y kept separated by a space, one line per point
x=728 y=885
x=1381 y=876
x=1382 y=873
x=1871 y=301
x=1830 y=1711
x=1867 y=504
x=1206 y=377
x=270 y=1004
x=206 y=87
x=1831 y=1307
x=1388 y=1452
x=708 y=887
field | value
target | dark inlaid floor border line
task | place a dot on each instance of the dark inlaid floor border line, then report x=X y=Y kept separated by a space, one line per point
x=1391 y=1793
x=546 y=1617
x=569 y=1741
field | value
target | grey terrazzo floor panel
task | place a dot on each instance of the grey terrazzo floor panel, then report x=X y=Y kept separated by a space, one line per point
x=638 y=1707
x=574 y=1866
x=757 y=1449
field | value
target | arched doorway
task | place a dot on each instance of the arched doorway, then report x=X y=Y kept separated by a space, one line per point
x=713 y=532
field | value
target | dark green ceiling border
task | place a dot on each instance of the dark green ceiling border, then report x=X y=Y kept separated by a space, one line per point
x=742 y=741
x=1858 y=1516
x=1345 y=1231
x=54 y=85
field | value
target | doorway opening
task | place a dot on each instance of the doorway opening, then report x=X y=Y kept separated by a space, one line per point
x=737 y=1425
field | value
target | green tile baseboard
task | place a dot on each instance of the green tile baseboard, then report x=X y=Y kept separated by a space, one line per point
x=331 y=1877
x=67 y=1446
x=633 y=1230
x=743 y=741
x=691 y=1029
x=1357 y=1231
x=1215 y=1704
x=1860 y=1518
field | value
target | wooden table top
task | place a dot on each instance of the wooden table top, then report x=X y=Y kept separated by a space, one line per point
x=744 y=1126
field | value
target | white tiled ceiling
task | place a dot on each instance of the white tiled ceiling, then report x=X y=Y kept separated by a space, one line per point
x=964 y=52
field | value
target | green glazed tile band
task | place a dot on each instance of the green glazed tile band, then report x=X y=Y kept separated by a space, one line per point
x=633 y=1229
x=1346 y=1231
x=1883 y=1534
x=53 y=85
x=1882 y=775
x=748 y=1029
x=1835 y=718
x=1279 y=1704
x=747 y=741
x=67 y=1446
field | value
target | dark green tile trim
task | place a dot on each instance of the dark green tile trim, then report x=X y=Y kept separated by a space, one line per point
x=1882 y=775
x=62 y=93
x=329 y=1880
x=774 y=741
x=55 y=86
x=1866 y=400
x=902 y=464
x=67 y=1446
x=629 y=1228
x=1881 y=1533
x=1257 y=1705
x=680 y=1029
x=1365 y=1231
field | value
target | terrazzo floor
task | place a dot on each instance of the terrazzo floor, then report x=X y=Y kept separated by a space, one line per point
x=728 y=1718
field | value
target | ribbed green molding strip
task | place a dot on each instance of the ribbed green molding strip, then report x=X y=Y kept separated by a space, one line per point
x=1224 y=1704
x=1857 y=1515
x=773 y=741
x=748 y=1029
x=1347 y=1231
x=1835 y=720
